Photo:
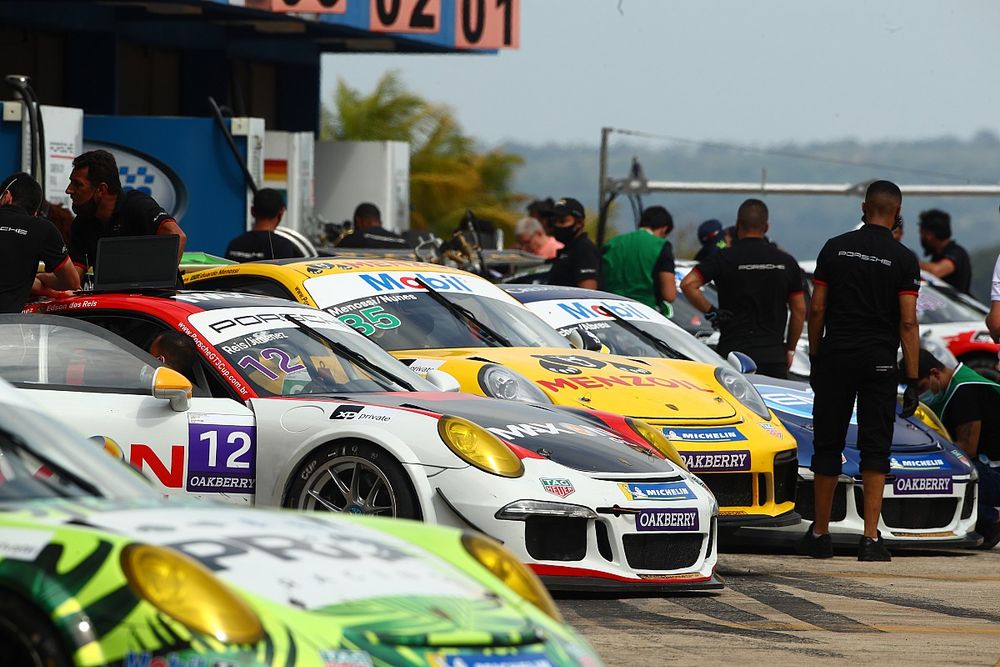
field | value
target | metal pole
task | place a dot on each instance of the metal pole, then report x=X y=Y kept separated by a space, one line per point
x=602 y=212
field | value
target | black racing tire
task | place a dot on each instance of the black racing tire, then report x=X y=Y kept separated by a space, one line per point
x=984 y=364
x=27 y=636
x=315 y=486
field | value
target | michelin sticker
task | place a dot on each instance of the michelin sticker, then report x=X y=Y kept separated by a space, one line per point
x=656 y=491
x=916 y=463
x=345 y=658
x=718 y=434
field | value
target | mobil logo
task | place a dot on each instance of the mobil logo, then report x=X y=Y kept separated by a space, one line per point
x=397 y=282
x=594 y=310
x=143 y=172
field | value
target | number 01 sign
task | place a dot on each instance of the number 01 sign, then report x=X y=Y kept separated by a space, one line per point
x=487 y=24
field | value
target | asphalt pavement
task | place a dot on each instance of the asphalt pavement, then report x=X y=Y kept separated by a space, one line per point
x=930 y=608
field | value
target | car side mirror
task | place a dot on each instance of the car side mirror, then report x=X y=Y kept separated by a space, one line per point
x=169 y=385
x=442 y=381
x=583 y=340
x=742 y=362
x=574 y=338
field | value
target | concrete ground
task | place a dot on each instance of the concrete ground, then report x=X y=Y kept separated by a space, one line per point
x=928 y=608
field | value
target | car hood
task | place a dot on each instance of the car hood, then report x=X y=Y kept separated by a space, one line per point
x=667 y=390
x=314 y=562
x=793 y=402
x=551 y=432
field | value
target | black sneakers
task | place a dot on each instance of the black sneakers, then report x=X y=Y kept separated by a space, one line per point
x=873 y=550
x=990 y=533
x=815 y=547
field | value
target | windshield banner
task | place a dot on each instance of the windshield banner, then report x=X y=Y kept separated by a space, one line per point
x=224 y=324
x=335 y=289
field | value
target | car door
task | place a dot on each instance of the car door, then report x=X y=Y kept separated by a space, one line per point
x=103 y=385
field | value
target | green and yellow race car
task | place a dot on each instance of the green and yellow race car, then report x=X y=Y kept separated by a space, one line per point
x=97 y=569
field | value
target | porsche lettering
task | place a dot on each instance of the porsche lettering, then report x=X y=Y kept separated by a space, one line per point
x=386 y=282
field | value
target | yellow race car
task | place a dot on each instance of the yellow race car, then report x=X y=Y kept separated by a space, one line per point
x=438 y=318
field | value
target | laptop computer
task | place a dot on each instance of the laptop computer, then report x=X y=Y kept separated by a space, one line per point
x=136 y=262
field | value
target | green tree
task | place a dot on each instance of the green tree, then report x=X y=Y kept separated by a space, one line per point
x=448 y=173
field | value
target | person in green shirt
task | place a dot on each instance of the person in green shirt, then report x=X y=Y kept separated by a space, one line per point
x=640 y=264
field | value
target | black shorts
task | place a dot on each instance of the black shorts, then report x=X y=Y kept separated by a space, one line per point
x=871 y=378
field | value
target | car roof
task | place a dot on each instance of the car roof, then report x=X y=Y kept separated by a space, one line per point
x=321 y=266
x=186 y=301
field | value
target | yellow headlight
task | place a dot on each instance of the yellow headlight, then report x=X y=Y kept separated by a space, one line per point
x=657 y=440
x=512 y=572
x=187 y=591
x=479 y=447
x=927 y=416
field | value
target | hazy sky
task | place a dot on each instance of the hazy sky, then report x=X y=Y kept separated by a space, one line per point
x=748 y=71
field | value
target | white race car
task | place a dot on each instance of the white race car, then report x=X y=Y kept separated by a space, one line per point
x=291 y=407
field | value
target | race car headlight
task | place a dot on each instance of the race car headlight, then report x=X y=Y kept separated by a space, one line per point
x=656 y=440
x=499 y=382
x=188 y=592
x=742 y=391
x=930 y=420
x=478 y=447
x=508 y=569
x=522 y=510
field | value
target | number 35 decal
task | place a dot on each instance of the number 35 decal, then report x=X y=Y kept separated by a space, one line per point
x=367 y=320
x=222 y=453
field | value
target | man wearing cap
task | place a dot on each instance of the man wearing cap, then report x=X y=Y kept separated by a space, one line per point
x=711 y=238
x=578 y=263
x=632 y=264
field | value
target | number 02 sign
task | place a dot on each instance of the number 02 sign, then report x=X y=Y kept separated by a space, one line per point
x=487 y=24
x=420 y=16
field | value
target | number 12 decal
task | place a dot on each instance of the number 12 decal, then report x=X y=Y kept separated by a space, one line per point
x=222 y=454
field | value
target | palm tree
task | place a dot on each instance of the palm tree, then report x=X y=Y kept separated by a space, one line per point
x=448 y=175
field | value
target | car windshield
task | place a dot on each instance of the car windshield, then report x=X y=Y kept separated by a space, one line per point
x=41 y=458
x=937 y=304
x=398 y=314
x=295 y=351
x=625 y=338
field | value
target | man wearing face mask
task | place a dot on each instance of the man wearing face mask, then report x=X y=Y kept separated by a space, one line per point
x=949 y=261
x=103 y=209
x=969 y=406
x=578 y=263
x=26 y=241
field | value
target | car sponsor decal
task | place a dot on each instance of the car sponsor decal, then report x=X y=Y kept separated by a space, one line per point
x=23 y=543
x=423 y=366
x=916 y=462
x=793 y=401
x=360 y=413
x=717 y=461
x=232 y=324
x=656 y=491
x=658 y=520
x=571 y=364
x=343 y=288
x=772 y=430
x=503 y=660
x=717 y=434
x=345 y=658
x=565 y=312
x=557 y=486
x=517 y=431
x=302 y=549
x=367 y=316
x=222 y=453
x=930 y=485
x=604 y=381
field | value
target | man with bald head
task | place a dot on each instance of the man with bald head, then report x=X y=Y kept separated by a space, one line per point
x=864 y=305
x=760 y=291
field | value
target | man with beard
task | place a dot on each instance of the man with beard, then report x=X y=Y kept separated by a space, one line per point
x=949 y=261
x=103 y=209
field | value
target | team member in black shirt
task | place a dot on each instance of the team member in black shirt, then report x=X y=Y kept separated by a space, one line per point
x=863 y=306
x=577 y=264
x=949 y=261
x=261 y=242
x=369 y=232
x=26 y=240
x=103 y=209
x=758 y=285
